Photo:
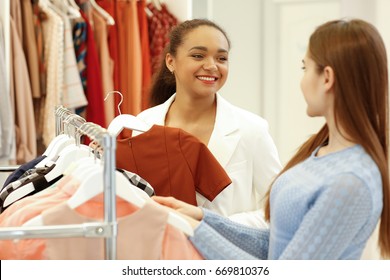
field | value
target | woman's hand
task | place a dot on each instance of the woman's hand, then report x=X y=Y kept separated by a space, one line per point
x=180 y=206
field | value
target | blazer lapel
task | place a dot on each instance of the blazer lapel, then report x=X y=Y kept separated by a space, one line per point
x=225 y=137
x=157 y=114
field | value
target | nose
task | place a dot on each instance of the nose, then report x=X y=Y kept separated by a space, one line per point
x=210 y=65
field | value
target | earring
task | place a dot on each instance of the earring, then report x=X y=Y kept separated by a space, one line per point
x=173 y=72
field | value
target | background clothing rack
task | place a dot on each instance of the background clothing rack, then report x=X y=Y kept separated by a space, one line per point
x=107 y=228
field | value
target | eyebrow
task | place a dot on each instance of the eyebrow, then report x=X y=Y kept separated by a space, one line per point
x=303 y=61
x=205 y=49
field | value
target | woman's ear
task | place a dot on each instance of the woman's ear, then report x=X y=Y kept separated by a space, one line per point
x=169 y=62
x=329 y=77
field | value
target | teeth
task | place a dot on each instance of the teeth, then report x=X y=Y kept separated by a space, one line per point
x=206 y=78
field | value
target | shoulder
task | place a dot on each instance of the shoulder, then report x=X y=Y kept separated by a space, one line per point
x=357 y=172
x=362 y=165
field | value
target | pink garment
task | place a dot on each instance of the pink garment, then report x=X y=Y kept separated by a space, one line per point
x=25 y=209
x=140 y=236
x=169 y=243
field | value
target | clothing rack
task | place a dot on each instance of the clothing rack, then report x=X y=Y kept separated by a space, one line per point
x=107 y=228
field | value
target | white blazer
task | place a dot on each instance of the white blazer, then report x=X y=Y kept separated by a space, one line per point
x=243 y=146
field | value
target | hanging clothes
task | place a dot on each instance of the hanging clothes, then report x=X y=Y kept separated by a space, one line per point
x=160 y=24
x=130 y=67
x=106 y=63
x=95 y=109
x=164 y=241
x=174 y=162
x=25 y=134
x=72 y=91
x=80 y=45
x=145 y=49
x=17 y=173
x=7 y=136
x=30 y=47
x=143 y=234
x=54 y=61
x=110 y=7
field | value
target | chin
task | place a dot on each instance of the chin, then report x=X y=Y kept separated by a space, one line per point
x=310 y=114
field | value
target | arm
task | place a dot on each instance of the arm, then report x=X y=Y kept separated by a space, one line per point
x=253 y=219
x=219 y=238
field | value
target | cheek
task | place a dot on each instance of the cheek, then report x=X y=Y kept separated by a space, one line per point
x=303 y=84
x=224 y=70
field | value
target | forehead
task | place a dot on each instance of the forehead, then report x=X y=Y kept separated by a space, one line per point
x=207 y=36
x=307 y=59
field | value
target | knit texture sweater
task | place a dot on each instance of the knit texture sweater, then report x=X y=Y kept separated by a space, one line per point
x=323 y=208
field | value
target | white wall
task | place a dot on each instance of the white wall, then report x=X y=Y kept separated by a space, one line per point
x=181 y=9
x=241 y=19
x=269 y=39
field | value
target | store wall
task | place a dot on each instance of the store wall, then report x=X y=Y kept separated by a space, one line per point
x=269 y=39
x=242 y=22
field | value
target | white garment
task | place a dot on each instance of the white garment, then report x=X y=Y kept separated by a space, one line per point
x=72 y=89
x=243 y=146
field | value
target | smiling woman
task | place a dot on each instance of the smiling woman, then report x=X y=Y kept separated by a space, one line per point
x=185 y=95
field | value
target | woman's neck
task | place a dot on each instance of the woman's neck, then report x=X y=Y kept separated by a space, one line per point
x=192 y=110
x=338 y=140
x=196 y=117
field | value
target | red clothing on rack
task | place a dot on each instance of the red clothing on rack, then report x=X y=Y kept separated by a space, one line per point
x=95 y=108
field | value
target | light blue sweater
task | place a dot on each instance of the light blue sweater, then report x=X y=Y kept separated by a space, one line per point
x=323 y=208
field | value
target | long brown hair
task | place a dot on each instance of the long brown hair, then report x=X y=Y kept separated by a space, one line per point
x=164 y=83
x=355 y=51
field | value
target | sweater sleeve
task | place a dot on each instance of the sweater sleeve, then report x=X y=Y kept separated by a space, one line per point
x=219 y=238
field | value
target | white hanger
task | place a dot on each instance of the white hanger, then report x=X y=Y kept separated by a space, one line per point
x=65 y=8
x=109 y=19
x=53 y=143
x=83 y=167
x=125 y=120
x=63 y=113
x=93 y=186
x=59 y=143
x=157 y=4
x=73 y=4
x=73 y=11
x=65 y=158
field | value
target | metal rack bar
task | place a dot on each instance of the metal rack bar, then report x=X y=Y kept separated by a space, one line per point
x=107 y=229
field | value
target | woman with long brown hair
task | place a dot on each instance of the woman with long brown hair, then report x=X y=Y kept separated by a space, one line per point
x=328 y=199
